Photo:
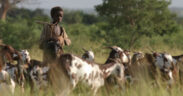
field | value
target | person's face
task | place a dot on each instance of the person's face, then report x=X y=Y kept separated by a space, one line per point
x=58 y=17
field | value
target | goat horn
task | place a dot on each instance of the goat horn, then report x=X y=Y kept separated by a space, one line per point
x=111 y=47
x=84 y=49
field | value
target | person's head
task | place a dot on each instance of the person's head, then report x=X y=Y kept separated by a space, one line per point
x=57 y=14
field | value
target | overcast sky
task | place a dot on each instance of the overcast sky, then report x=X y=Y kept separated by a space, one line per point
x=77 y=4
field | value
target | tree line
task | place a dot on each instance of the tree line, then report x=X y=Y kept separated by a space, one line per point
x=129 y=24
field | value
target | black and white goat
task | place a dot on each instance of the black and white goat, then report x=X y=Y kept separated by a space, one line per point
x=7 y=85
x=94 y=75
x=117 y=54
x=37 y=72
x=161 y=61
x=88 y=55
x=9 y=72
x=179 y=68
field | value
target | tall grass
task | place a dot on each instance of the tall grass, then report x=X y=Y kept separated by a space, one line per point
x=144 y=87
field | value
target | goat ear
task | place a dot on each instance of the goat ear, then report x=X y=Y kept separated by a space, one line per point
x=155 y=54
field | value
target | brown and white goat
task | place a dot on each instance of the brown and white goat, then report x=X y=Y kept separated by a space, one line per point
x=25 y=56
x=37 y=72
x=88 y=55
x=94 y=75
x=7 y=85
x=117 y=54
x=178 y=58
x=7 y=56
x=179 y=68
x=151 y=62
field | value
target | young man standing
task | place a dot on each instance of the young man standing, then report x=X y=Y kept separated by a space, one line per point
x=52 y=31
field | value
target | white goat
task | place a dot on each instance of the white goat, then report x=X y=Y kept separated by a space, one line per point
x=7 y=85
x=162 y=61
x=88 y=55
x=37 y=72
x=90 y=73
x=25 y=56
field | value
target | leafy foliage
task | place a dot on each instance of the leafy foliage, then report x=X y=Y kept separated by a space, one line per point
x=20 y=29
x=131 y=19
x=19 y=34
x=92 y=31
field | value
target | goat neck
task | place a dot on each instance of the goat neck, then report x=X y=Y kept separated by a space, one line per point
x=111 y=69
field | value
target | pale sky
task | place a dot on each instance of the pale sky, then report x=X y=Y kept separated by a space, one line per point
x=71 y=4
x=77 y=4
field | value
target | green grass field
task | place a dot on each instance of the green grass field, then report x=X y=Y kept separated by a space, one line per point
x=143 y=87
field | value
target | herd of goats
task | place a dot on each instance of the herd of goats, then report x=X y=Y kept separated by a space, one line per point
x=18 y=69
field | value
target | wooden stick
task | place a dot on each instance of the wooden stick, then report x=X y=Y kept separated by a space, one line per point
x=41 y=22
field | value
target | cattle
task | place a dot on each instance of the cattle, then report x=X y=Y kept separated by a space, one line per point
x=88 y=55
x=77 y=69
x=152 y=63
x=25 y=56
x=178 y=58
x=7 y=54
x=93 y=74
x=52 y=51
x=164 y=62
x=39 y=76
x=10 y=63
x=137 y=56
x=7 y=85
x=116 y=54
x=37 y=72
x=179 y=68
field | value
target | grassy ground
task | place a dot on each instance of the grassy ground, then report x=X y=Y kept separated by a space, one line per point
x=143 y=88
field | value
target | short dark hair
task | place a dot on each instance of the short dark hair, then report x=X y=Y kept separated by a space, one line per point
x=55 y=11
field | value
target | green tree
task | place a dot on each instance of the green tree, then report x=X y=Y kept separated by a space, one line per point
x=21 y=31
x=19 y=34
x=5 y=5
x=72 y=17
x=129 y=20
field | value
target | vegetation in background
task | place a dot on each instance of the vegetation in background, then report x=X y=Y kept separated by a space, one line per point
x=140 y=24
x=130 y=20
x=6 y=5
x=20 y=29
x=129 y=24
